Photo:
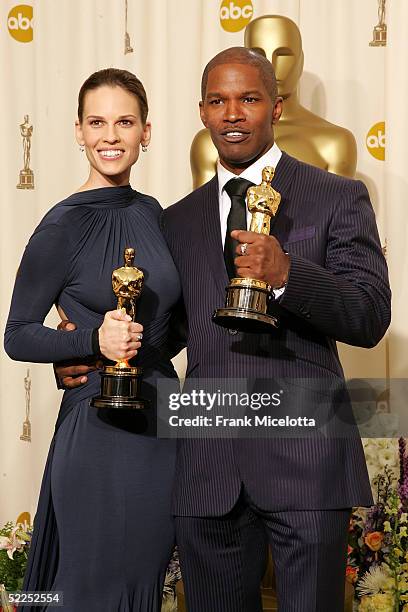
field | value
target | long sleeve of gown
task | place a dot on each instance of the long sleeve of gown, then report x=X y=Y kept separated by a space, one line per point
x=43 y=273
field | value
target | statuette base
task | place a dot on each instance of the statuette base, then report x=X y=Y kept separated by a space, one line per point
x=120 y=388
x=26 y=435
x=245 y=320
x=246 y=307
x=379 y=36
x=26 y=179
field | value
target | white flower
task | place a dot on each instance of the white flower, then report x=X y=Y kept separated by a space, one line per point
x=380 y=452
x=359 y=516
x=382 y=602
x=387 y=456
x=12 y=543
x=377 y=580
x=386 y=443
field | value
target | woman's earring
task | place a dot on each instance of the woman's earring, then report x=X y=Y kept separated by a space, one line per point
x=81 y=148
x=144 y=148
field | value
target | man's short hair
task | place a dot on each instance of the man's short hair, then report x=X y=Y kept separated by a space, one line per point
x=242 y=55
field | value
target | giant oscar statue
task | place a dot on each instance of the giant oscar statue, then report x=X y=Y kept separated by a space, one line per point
x=322 y=144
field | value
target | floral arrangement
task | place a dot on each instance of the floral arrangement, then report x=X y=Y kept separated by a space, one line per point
x=14 y=544
x=378 y=542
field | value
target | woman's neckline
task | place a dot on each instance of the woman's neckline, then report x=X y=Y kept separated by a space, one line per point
x=105 y=196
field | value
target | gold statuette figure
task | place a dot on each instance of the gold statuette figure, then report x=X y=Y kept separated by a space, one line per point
x=263 y=203
x=26 y=435
x=248 y=298
x=26 y=175
x=121 y=382
x=380 y=30
x=127 y=283
x=128 y=46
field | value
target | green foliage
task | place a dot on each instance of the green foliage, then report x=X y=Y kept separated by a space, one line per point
x=12 y=570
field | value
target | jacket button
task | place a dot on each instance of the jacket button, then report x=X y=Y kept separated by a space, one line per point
x=232 y=332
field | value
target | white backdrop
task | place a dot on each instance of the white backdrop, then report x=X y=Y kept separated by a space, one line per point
x=345 y=81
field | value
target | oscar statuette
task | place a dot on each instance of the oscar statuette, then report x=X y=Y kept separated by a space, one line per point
x=128 y=46
x=26 y=435
x=380 y=30
x=26 y=174
x=248 y=298
x=120 y=384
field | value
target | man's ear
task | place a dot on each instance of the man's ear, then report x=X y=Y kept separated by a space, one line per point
x=202 y=113
x=277 y=110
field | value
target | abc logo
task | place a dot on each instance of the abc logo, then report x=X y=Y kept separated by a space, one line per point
x=235 y=14
x=375 y=140
x=20 y=23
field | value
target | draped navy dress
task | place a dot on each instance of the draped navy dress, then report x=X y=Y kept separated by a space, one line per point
x=103 y=530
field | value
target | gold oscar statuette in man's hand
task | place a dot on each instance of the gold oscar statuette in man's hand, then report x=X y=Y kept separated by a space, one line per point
x=248 y=298
x=120 y=385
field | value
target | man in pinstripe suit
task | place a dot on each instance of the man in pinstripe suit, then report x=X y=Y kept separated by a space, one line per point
x=325 y=264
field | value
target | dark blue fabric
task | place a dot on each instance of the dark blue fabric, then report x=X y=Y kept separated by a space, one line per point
x=103 y=531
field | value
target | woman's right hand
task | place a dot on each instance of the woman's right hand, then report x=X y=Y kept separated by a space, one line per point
x=119 y=337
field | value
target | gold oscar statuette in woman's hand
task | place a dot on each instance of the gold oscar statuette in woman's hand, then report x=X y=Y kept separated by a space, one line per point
x=120 y=385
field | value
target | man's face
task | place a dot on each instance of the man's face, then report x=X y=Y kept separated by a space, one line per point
x=239 y=113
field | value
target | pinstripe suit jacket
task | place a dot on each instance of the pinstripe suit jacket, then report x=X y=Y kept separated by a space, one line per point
x=337 y=290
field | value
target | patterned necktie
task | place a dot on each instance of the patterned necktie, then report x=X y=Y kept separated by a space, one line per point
x=236 y=189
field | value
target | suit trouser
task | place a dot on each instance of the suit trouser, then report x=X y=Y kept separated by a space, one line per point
x=223 y=559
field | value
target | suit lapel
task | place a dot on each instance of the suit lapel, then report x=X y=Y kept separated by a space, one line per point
x=211 y=226
x=285 y=170
x=282 y=182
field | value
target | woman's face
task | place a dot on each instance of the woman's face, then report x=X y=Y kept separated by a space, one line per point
x=111 y=132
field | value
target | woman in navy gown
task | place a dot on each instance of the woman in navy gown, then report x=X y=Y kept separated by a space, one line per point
x=103 y=532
